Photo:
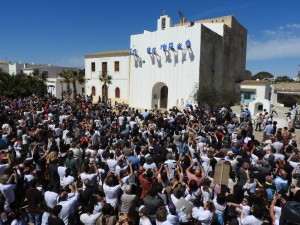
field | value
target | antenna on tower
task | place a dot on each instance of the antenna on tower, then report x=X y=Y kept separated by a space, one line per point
x=182 y=19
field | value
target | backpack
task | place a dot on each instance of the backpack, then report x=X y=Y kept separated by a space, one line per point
x=172 y=208
x=142 y=159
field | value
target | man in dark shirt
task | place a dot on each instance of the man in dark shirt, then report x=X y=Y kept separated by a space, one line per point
x=152 y=202
x=53 y=218
x=34 y=200
x=53 y=175
x=87 y=194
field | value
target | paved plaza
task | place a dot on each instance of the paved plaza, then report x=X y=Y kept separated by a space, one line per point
x=280 y=118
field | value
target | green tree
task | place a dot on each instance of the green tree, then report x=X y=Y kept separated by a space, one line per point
x=213 y=97
x=106 y=80
x=3 y=78
x=228 y=96
x=7 y=84
x=77 y=77
x=39 y=82
x=17 y=85
x=67 y=76
x=206 y=95
x=262 y=75
x=283 y=79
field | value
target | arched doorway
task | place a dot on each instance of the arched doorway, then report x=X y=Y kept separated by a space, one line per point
x=104 y=92
x=117 y=93
x=164 y=97
x=93 y=91
x=160 y=95
x=260 y=107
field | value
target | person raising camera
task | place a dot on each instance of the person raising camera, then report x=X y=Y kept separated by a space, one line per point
x=147 y=181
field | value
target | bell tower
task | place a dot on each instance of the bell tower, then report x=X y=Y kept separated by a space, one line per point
x=164 y=22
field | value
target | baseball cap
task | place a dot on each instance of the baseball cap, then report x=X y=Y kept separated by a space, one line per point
x=230 y=153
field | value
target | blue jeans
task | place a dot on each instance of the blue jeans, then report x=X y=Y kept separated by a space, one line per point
x=36 y=219
x=220 y=218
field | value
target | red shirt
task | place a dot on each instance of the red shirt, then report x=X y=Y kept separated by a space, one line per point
x=146 y=185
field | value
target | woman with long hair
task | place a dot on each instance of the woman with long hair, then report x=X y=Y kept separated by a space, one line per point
x=150 y=164
x=192 y=191
x=205 y=216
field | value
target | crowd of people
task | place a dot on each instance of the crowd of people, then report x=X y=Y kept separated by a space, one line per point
x=74 y=162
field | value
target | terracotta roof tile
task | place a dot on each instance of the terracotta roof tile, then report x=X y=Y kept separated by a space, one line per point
x=107 y=54
x=287 y=86
x=255 y=82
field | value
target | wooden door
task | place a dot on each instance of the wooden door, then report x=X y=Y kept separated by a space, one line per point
x=164 y=97
x=104 y=68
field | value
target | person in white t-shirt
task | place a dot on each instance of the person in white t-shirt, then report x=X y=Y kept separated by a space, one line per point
x=162 y=217
x=143 y=212
x=68 y=204
x=50 y=197
x=89 y=218
x=67 y=179
x=18 y=219
x=6 y=128
x=255 y=218
x=7 y=189
x=5 y=165
x=112 y=162
x=275 y=211
x=220 y=206
x=61 y=169
x=172 y=165
x=197 y=209
x=205 y=216
x=91 y=176
x=244 y=206
x=111 y=189
x=150 y=164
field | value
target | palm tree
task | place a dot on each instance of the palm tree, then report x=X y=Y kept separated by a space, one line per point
x=67 y=76
x=3 y=78
x=107 y=80
x=40 y=80
x=7 y=84
x=18 y=85
x=77 y=77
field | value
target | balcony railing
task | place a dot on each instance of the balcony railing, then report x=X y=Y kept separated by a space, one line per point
x=103 y=73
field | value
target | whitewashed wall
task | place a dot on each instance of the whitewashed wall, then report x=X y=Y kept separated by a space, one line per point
x=178 y=74
x=119 y=79
x=262 y=92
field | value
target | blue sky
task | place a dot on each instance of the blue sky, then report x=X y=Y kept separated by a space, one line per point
x=61 y=32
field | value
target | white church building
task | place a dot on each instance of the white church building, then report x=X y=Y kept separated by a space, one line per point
x=165 y=67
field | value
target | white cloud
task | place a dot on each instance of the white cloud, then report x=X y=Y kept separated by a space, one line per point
x=283 y=42
x=296 y=26
x=273 y=49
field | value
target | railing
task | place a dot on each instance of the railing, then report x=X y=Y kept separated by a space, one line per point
x=103 y=73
